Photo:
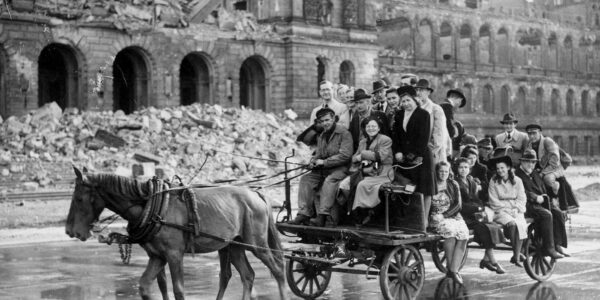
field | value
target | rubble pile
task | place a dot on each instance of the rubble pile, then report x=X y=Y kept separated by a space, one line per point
x=163 y=142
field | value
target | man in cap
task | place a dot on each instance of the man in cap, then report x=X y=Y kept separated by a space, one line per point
x=548 y=152
x=484 y=147
x=327 y=100
x=329 y=165
x=511 y=137
x=440 y=143
x=363 y=110
x=550 y=223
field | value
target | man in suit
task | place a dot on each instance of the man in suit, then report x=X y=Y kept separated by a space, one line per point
x=327 y=100
x=548 y=152
x=379 y=100
x=550 y=223
x=440 y=143
x=318 y=189
x=363 y=109
x=393 y=101
x=511 y=137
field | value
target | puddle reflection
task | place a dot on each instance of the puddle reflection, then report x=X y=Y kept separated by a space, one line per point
x=542 y=291
x=448 y=289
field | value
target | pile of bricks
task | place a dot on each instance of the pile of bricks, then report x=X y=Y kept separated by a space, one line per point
x=39 y=149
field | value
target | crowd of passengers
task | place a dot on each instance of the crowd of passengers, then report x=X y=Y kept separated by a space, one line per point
x=358 y=137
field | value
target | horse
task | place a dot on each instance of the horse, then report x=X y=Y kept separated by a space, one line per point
x=237 y=215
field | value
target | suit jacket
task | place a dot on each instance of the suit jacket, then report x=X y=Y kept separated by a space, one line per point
x=518 y=141
x=533 y=184
x=440 y=142
x=448 y=109
x=415 y=139
x=549 y=156
x=470 y=200
x=356 y=131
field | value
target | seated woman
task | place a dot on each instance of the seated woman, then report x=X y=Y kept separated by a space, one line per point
x=410 y=136
x=375 y=151
x=486 y=234
x=446 y=219
x=507 y=198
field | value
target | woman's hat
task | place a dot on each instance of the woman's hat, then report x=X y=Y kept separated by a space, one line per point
x=459 y=93
x=529 y=155
x=509 y=118
x=423 y=84
x=407 y=90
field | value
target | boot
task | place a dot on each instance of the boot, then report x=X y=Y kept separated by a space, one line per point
x=319 y=221
x=300 y=220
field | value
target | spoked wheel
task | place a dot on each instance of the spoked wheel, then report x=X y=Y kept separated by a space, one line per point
x=402 y=273
x=537 y=265
x=307 y=279
x=438 y=254
x=447 y=288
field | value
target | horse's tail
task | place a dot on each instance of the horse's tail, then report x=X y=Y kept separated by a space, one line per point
x=274 y=241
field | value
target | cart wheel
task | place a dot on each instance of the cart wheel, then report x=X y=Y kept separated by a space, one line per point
x=450 y=289
x=542 y=290
x=438 y=254
x=307 y=279
x=402 y=273
x=538 y=266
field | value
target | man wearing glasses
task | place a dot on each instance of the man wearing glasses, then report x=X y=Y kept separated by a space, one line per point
x=340 y=109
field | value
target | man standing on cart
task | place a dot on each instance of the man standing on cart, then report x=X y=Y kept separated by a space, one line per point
x=329 y=165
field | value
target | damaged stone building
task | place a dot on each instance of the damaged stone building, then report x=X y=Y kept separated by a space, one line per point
x=537 y=58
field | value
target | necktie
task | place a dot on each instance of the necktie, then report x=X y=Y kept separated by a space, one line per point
x=325 y=105
x=508 y=136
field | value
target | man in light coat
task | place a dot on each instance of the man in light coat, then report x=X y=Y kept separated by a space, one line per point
x=340 y=109
x=439 y=143
x=511 y=137
x=548 y=152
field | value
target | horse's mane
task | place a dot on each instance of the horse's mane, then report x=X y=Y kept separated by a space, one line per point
x=119 y=185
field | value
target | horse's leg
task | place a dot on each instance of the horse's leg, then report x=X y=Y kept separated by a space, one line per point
x=154 y=267
x=240 y=262
x=175 y=260
x=274 y=261
x=225 y=273
x=162 y=284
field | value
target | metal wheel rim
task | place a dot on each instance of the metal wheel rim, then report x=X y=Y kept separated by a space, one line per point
x=538 y=266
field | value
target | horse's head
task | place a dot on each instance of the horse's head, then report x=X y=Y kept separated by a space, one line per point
x=86 y=206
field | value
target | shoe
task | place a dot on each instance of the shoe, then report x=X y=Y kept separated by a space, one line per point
x=455 y=276
x=514 y=261
x=563 y=251
x=300 y=220
x=367 y=219
x=553 y=254
x=499 y=268
x=488 y=265
x=319 y=221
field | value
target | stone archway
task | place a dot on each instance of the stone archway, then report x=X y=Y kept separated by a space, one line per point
x=131 y=74
x=195 y=79
x=254 y=83
x=58 y=76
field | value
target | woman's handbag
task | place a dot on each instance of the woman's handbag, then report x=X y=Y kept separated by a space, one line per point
x=369 y=168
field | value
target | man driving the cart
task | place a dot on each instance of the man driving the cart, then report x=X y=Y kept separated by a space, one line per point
x=329 y=166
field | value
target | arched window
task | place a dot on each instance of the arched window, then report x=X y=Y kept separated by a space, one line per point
x=396 y=37
x=347 y=73
x=570 y=103
x=521 y=102
x=425 y=39
x=539 y=102
x=584 y=103
x=464 y=44
x=504 y=100
x=488 y=99
x=566 y=58
x=554 y=102
x=551 y=52
x=502 y=47
x=321 y=70
x=468 y=92
x=484 y=44
x=446 y=49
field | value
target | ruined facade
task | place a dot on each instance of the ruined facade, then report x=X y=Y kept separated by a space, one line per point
x=536 y=58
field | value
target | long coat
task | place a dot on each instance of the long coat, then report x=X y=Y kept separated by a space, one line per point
x=440 y=143
x=414 y=140
x=508 y=202
x=549 y=157
x=379 y=150
x=356 y=131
